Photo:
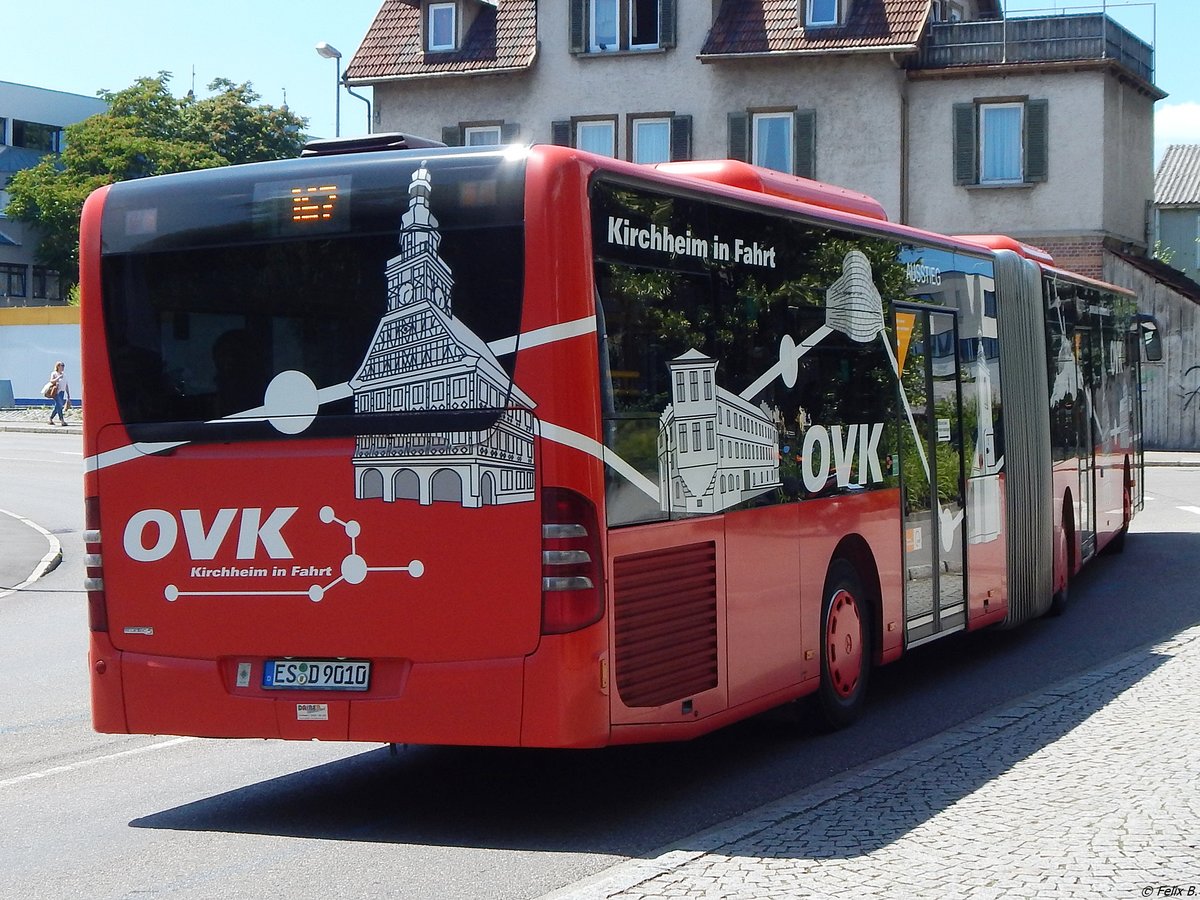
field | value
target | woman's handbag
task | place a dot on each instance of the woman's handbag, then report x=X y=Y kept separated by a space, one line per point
x=49 y=390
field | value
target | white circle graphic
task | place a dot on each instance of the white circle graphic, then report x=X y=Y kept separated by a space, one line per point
x=291 y=402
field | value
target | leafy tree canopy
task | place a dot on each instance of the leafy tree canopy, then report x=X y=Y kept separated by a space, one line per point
x=146 y=131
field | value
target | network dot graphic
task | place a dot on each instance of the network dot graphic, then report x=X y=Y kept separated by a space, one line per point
x=353 y=569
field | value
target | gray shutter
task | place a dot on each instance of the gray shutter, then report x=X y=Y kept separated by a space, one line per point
x=739 y=136
x=681 y=138
x=667 y=17
x=560 y=133
x=966 y=158
x=1037 y=140
x=578 y=32
x=804 y=129
x=452 y=135
x=509 y=132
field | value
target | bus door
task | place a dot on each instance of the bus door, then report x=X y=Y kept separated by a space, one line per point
x=1086 y=438
x=931 y=472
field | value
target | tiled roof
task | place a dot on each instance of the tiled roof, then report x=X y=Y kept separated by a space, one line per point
x=776 y=26
x=503 y=36
x=1177 y=181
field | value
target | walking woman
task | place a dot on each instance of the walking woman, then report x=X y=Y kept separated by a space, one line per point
x=62 y=393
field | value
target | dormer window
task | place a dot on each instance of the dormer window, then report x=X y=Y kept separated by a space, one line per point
x=441 y=24
x=823 y=13
x=948 y=11
x=609 y=26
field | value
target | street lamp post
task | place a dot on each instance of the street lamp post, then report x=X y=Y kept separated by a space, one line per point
x=328 y=51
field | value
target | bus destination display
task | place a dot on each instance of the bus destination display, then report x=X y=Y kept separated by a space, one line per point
x=291 y=208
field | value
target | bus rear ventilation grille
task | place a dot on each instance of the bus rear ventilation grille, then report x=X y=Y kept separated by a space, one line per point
x=665 y=608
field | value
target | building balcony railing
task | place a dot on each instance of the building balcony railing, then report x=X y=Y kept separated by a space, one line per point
x=1061 y=38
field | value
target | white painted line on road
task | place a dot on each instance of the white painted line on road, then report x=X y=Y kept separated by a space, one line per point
x=73 y=767
x=52 y=558
x=1191 y=509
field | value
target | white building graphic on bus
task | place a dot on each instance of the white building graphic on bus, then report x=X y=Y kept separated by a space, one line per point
x=424 y=360
x=715 y=449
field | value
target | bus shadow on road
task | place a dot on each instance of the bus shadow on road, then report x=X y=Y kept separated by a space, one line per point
x=633 y=801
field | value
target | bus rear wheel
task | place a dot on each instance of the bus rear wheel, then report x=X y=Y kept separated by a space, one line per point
x=845 y=647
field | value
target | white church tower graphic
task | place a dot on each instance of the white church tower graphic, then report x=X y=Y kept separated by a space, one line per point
x=421 y=360
x=715 y=449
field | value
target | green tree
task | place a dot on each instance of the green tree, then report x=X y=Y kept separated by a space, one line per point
x=146 y=131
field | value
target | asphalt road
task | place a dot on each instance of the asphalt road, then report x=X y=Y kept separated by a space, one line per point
x=97 y=816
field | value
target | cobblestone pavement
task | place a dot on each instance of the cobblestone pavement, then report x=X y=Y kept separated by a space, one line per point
x=1085 y=790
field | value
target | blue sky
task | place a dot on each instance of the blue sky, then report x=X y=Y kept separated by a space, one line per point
x=82 y=46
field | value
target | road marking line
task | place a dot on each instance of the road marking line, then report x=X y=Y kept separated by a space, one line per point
x=59 y=770
x=52 y=558
x=1191 y=509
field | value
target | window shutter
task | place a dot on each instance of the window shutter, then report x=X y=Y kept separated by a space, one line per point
x=1037 y=140
x=965 y=156
x=739 y=136
x=804 y=133
x=452 y=135
x=560 y=133
x=681 y=138
x=667 y=18
x=509 y=132
x=578 y=35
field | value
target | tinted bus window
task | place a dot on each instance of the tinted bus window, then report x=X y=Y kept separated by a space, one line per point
x=731 y=340
x=217 y=284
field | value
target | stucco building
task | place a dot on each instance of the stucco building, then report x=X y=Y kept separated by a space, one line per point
x=952 y=116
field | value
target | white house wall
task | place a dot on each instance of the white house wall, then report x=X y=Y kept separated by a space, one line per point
x=858 y=131
x=1129 y=161
x=1100 y=139
x=1072 y=199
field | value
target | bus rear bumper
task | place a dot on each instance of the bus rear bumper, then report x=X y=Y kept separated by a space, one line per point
x=467 y=703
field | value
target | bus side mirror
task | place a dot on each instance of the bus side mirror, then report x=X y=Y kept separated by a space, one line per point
x=1151 y=338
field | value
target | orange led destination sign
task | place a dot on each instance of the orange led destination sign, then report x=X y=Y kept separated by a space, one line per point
x=311 y=204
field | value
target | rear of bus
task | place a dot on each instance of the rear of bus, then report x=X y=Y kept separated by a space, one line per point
x=316 y=495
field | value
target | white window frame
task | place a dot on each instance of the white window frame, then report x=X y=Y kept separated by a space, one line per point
x=790 y=144
x=593 y=45
x=431 y=13
x=642 y=122
x=983 y=146
x=589 y=124
x=486 y=131
x=657 y=27
x=811 y=19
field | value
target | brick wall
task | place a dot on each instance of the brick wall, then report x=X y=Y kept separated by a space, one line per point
x=1083 y=254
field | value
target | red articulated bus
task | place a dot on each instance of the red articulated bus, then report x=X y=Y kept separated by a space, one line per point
x=530 y=447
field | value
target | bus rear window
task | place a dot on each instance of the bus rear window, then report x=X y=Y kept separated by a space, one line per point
x=240 y=319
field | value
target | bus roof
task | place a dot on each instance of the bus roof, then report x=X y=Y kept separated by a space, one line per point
x=779 y=184
x=1004 y=242
x=1042 y=258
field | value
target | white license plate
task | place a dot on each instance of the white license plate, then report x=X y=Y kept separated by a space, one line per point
x=317 y=674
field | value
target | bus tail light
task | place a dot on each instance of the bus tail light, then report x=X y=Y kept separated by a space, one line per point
x=93 y=582
x=572 y=580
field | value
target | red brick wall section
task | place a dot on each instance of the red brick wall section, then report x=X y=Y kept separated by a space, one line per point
x=1083 y=254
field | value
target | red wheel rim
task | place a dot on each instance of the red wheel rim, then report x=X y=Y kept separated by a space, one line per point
x=844 y=644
